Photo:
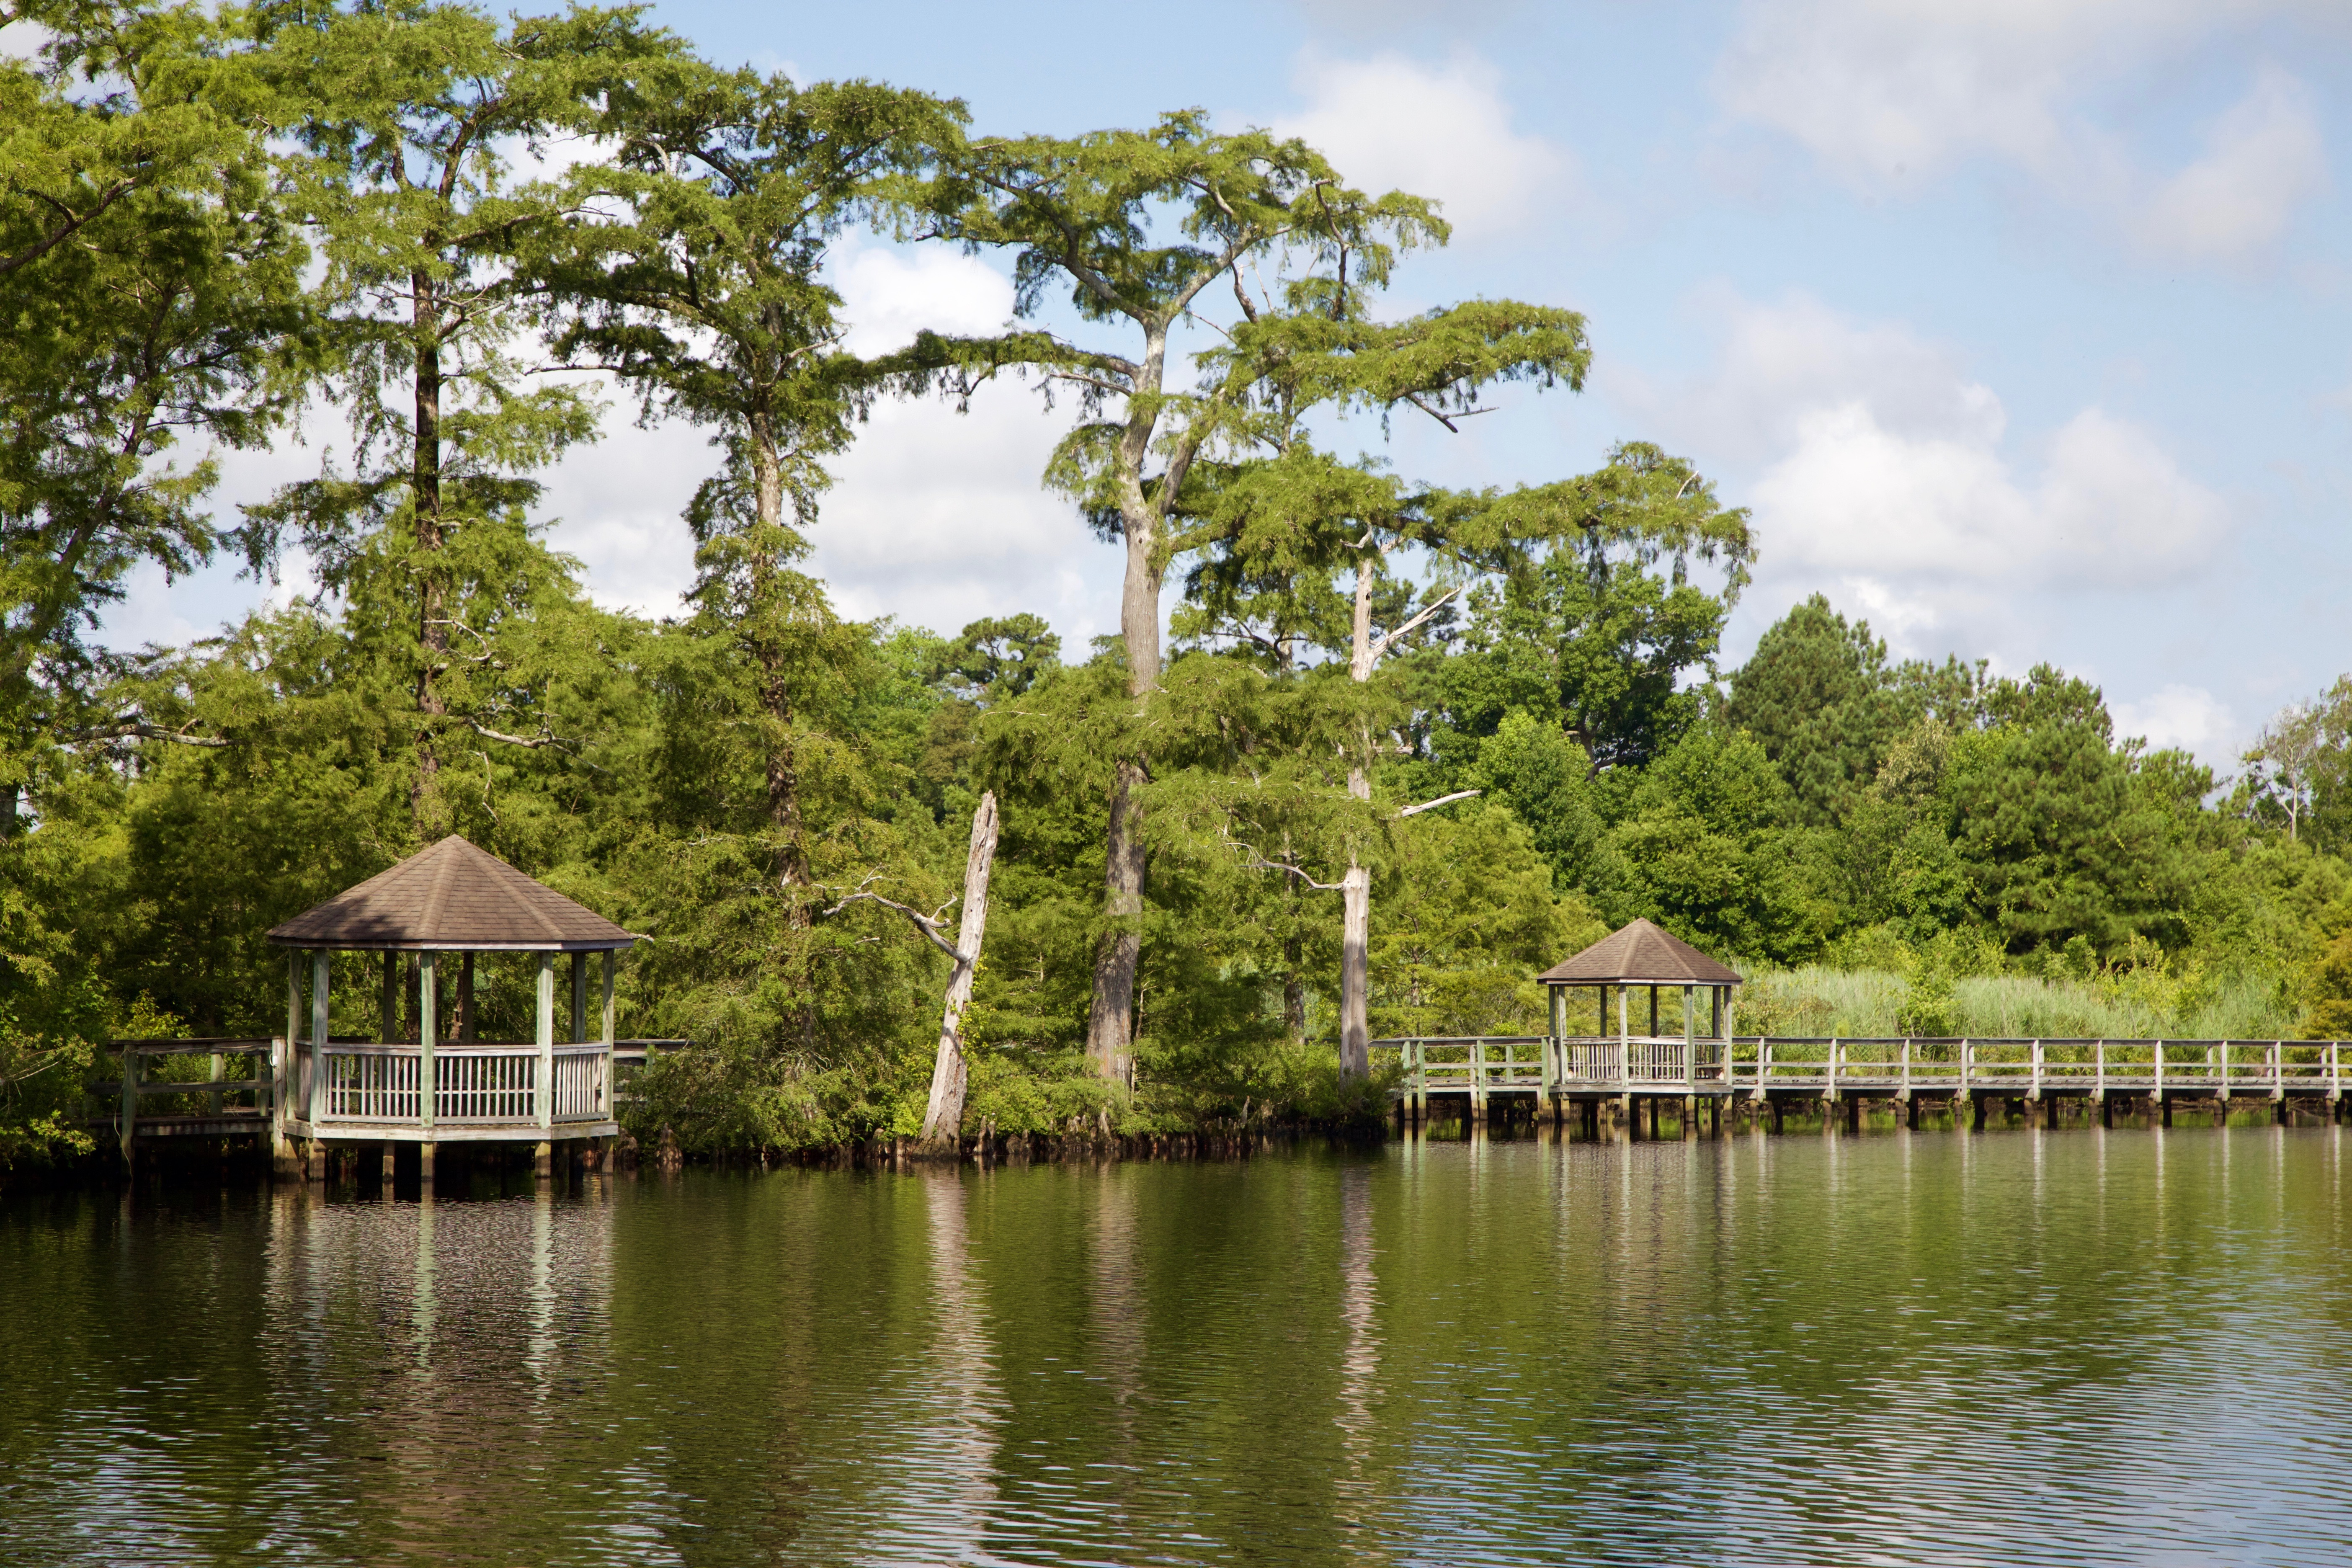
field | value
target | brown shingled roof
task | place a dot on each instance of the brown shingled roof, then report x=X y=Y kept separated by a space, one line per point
x=1640 y=954
x=451 y=895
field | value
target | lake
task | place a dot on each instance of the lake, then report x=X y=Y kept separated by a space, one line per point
x=2020 y=1346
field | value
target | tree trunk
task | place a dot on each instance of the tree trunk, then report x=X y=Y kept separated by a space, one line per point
x=1294 y=991
x=1110 y=1019
x=1110 y=1016
x=427 y=806
x=769 y=653
x=1355 y=1030
x=1356 y=886
x=943 y=1117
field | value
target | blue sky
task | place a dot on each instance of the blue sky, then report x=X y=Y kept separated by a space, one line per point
x=2020 y=324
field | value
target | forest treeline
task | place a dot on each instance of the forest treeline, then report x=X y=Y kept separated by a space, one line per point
x=1476 y=726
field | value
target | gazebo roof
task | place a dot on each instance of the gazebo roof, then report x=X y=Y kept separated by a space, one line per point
x=452 y=896
x=1640 y=954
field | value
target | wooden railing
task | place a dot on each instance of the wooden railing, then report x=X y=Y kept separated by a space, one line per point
x=211 y=1094
x=1480 y=1065
x=2272 y=1069
x=477 y=1084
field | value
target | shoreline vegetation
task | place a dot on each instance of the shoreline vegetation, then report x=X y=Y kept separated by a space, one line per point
x=1398 y=747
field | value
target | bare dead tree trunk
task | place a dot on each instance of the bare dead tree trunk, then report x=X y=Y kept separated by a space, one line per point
x=1355 y=1028
x=943 y=1117
x=1356 y=886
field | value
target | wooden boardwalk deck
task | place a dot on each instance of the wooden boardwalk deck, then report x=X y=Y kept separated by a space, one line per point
x=369 y=1094
x=1558 y=1071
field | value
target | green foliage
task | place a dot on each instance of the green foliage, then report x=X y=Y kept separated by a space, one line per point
x=1491 y=716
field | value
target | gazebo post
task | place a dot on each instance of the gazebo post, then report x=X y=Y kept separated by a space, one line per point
x=546 y=1097
x=319 y=963
x=388 y=1005
x=465 y=998
x=1624 y=1062
x=579 y=1025
x=606 y=1108
x=428 y=1082
x=387 y=1031
x=281 y=1070
x=1555 y=1049
x=579 y=998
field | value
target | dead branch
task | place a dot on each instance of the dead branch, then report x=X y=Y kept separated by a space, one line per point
x=486 y=734
x=1441 y=800
x=131 y=727
x=1380 y=648
x=928 y=924
x=1257 y=862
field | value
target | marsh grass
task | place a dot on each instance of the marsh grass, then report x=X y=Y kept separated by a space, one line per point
x=2139 y=1004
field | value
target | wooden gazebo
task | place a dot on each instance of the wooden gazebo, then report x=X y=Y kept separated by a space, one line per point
x=449 y=902
x=1638 y=955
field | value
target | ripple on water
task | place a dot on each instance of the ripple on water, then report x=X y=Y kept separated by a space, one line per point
x=2123 y=1347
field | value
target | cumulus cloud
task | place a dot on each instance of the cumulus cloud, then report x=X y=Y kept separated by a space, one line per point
x=1885 y=94
x=888 y=294
x=936 y=517
x=1881 y=466
x=1874 y=87
x=2263 y=158
x=2188 y=717
x=2109 y=506
x=1390 y=122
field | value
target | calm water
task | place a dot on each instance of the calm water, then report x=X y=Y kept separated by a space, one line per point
x=2011 y=1347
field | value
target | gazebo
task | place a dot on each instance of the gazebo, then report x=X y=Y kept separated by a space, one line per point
x=449 y=902
x=1643 y=954
x=1648 y=1066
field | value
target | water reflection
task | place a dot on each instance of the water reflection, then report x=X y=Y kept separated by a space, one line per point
x=2011 y=1347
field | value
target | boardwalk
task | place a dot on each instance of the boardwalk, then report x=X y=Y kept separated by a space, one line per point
x=1592 y=1072
x=264 y=1089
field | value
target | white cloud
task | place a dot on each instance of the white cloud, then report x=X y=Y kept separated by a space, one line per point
x=2188 y=717
x=1885 y=94
x=1878 y=88
x=2263 y=158
x=888 y=295
x=1881 y=466
x=939 y=517
x=2109 y=508
x=1390 y=122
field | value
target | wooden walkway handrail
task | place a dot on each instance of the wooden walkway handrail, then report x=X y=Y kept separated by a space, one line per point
x=1837 y=1066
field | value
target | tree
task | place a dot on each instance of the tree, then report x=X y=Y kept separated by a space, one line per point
x=999 y=656
x=1817 y=694
x=699 y=282
x=153 y=289
x=2296 y=768
x=1083 y=210
x=943 y=1107
x=1704 y=850
x=2063 y=833
x=1297 y=513
x=407 y=112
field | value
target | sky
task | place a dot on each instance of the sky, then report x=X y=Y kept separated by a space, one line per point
x=2019 y=325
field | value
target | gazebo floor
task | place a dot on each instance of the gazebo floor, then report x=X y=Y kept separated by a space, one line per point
x=449 y=1132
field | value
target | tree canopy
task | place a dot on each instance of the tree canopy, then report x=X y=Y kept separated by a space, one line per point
x=1405 y=743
